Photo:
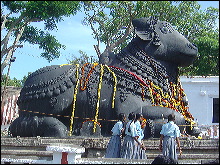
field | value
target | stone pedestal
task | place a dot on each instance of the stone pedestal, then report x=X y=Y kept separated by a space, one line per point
x=63 y=154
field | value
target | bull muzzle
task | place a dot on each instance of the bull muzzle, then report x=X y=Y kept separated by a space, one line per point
x=192 y=46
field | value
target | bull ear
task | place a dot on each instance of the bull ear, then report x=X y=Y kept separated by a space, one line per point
x=140 y=23
x=144 y=35
x=143 y=28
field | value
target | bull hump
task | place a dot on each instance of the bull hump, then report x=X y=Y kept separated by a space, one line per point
x=48 y=82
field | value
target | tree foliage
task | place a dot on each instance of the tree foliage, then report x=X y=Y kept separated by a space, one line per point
x=13 y=82
x=10 y=82
x=17 y=24
x=82 y=59
x=111 y=25
x=207 y=64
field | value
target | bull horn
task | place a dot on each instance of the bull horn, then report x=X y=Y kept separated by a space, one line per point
x=144 y=27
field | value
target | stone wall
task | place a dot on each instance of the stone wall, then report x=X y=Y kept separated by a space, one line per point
x=11 y=90
x=9 y=108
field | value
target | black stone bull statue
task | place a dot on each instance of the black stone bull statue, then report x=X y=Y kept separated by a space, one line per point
x=66 y=100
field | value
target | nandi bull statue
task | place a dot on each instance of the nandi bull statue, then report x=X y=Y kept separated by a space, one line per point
x=66 y=100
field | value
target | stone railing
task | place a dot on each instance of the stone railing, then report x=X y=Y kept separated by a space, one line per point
x=85 y=150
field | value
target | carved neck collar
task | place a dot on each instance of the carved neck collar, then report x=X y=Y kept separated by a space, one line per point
x=136 y=60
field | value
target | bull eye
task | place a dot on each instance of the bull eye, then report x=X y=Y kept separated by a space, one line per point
x=194 y=45
x=164 y=30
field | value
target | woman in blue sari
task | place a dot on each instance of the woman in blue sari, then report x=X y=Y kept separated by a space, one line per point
x=169 y=138
x=114 y=146
x=127 y=150
x=139 y=148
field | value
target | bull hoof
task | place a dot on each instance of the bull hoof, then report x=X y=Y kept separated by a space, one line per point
x=195 y=131
x=52 y=127
x=87 y=129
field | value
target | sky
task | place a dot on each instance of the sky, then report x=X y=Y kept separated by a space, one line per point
x=70 y=33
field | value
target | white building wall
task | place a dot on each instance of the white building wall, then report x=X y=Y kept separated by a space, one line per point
x=200 y=92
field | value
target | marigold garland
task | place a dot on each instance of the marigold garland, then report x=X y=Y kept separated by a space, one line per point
x=92 y=121
x=99 y=94
x=158 y=97
x=151 y=93
x=74 y=99
x=143 y=123
x=175 y=103
x=84 y=85
x=142 y=90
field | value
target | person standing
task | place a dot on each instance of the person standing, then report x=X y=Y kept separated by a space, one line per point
x=127 y=150
x=169 y=138
x=114 y=146
x=139 y=150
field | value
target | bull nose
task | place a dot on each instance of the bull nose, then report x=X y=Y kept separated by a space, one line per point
x=192 y=46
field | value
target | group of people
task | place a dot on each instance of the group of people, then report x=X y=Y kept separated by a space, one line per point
x=133 y=133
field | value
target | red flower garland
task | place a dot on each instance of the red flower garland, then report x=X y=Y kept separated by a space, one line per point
x=158 y=100
x=83 y=85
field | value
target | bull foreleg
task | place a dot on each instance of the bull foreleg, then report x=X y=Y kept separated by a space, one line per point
x=38 y=126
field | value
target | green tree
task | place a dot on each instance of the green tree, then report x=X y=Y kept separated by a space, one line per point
x=19 y=29
x=111 y=25
x=82 y=59
x=25 y=78
x=207 y=64
x=10 y=82
x=13 y=82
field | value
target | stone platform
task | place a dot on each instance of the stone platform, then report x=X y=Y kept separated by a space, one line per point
x=195 y=151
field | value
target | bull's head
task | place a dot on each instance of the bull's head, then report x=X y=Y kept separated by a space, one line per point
x=163 y=42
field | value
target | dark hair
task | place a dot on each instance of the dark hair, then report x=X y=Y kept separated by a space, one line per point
x=121 y=116
x=171 y=117
x=161 y=159
x=138 y=115
x=131 y=116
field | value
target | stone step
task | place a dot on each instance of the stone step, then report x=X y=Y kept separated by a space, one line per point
x=34 y=148
x=189 y=156
x=89 y=142
x=48 y=158
x=135 y=161
x=103 y=161
x=48 y=155
x=195 y=150
x=45 y=153
x=213 y=150
x=26 y=153
x=35 y=156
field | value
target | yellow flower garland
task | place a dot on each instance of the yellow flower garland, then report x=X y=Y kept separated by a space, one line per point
x=156 y=98
x=99 y=94
x=115 y=85
x=151 y=93
x=65 y=64
x=74 y=99
x=175 y=104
